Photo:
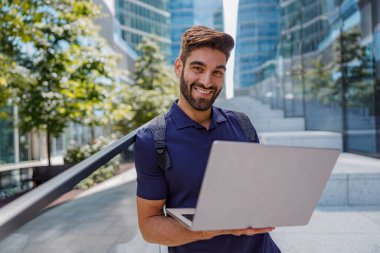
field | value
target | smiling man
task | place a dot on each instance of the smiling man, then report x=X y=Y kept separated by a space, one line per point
x=206 y=91
x=192 y=124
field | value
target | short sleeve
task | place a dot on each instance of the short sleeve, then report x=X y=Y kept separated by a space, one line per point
x=151 y=181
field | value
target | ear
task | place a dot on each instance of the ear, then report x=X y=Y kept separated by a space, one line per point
x=178 y=67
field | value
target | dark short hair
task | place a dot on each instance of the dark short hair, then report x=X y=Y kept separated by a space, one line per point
x=202 y=36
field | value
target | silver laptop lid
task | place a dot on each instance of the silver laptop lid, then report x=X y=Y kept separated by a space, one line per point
x=254 y=185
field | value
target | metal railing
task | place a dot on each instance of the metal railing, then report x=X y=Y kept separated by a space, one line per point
x=31 y=204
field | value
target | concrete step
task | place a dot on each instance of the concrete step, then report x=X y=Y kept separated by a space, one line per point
x=263 y=117
x=254 y=109
x=316 y=139
x=264 y=113
x=279 y=124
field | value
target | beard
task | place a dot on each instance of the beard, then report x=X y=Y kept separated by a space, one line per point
x=198 y=104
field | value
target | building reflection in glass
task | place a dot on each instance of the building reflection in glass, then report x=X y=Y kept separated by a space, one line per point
x=327 y=69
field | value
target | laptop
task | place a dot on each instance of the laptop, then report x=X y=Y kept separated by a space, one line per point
x=255 y=185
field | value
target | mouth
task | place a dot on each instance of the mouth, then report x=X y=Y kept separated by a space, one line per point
x=203 y=91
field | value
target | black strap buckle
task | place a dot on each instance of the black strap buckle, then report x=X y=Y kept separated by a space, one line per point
x=160 y=146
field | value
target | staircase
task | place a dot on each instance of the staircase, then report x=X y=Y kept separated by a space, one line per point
x=262 y=116
x=273 y=128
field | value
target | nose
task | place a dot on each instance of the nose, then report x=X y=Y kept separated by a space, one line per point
x=206 y=80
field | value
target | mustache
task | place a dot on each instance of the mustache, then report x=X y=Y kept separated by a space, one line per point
x=200 y=85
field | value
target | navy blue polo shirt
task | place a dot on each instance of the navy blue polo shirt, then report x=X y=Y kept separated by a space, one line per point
x=188 y=144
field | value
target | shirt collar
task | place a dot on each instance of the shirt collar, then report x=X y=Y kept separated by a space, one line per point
x=181 y=120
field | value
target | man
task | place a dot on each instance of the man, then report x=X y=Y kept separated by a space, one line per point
x=192 y=124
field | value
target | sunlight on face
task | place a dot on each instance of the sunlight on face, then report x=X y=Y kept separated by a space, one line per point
x=202 y=77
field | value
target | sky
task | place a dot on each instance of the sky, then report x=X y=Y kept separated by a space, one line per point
x=230 y=21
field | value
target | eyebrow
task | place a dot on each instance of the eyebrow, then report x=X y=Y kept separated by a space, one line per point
x=204 y=65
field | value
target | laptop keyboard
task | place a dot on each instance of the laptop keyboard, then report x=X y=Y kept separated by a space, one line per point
x=188 y=216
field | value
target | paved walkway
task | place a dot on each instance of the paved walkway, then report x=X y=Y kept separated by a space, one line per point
x=334 y=229
x=97 y=221
x=103 y=220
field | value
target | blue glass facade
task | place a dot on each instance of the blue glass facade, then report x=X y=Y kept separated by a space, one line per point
x=258 y=32
x=187 y=13
x=140 y=18
x=6 y=138
x=328 y=69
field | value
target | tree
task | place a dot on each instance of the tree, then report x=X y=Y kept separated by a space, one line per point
x=5 y=92
x=68 y=67
x=154 y=88
x=10 y=74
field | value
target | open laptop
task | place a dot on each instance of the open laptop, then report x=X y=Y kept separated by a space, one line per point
x=255 y=185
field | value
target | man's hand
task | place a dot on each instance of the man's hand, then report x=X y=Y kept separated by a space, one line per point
x=237 y=232
x=156 y=228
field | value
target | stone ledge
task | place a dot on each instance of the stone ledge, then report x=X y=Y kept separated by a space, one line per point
x=351 y=190
x=317 y=139
x=355 y=181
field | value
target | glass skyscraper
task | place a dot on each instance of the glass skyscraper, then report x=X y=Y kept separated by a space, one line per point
x=187 y=13
x=140 y=18
x=258 y=32
x=328 y=69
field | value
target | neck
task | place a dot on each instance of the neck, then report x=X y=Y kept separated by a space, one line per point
x=201 y=117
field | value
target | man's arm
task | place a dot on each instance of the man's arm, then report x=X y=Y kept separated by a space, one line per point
x=158 y=229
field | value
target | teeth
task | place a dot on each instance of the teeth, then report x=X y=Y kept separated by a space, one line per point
x=203 y=92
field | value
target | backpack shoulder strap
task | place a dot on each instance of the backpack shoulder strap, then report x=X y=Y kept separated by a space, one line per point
x=247 y=126
x=158 y=129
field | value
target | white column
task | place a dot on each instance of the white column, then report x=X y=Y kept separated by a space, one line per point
x=71 y=134
x=16 y=134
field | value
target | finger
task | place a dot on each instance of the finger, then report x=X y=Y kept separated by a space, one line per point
x=259 y=230
x=239 y=232
x=253 y=231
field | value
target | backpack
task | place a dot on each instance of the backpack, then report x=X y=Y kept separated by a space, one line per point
x=158 y=129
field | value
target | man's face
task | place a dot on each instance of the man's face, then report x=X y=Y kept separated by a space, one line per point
x=202 y=77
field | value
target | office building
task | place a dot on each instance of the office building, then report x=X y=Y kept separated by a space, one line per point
x=187 y=13
x=258 y=31
x=144 y=18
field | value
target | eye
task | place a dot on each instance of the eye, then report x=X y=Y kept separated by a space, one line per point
x=197 y=69
x=218 y=73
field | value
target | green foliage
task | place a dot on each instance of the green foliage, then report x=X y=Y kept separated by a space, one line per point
x=5 y=91
x=67 y=69
x=78 y=154
x=10 y=75
x=153 y=91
